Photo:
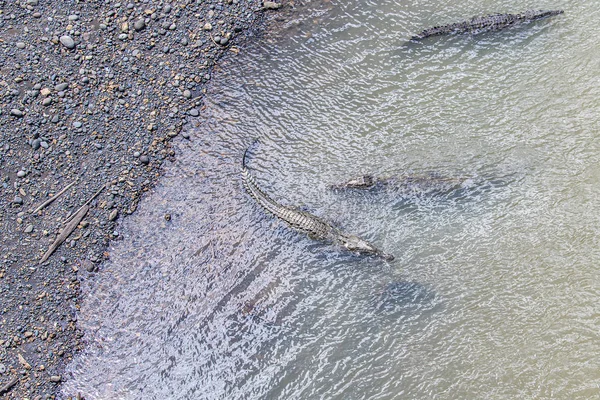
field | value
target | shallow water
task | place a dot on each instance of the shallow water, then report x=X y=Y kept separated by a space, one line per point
x=494 y=290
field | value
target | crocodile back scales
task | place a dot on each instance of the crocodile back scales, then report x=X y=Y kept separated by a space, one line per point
x=297 y=219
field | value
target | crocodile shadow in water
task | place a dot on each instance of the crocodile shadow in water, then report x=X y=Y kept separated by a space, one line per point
x=404 y=300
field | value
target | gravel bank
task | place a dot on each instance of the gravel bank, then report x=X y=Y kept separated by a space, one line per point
x=91 y=94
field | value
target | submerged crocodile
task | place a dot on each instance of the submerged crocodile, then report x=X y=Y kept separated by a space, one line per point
x=408 y=185
x=492 y=22
x=315 y=227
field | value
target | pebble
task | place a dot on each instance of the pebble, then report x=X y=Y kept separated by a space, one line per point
x=113 y=215
x=61 y=86
x=271 y=5
x=187 y=94
x=35 y=144
x=17 y=200
x=144 y=159
x=21 y=174
x=20 y=45
x=47 y=101
x=55 y=378
x=29 y=228
x=2 y=368
x=16 y=112
x=77 y=124
x=67 y=41
x=194 y=112
x=139 y=25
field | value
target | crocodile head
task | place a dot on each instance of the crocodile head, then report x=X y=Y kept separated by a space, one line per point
x=361 y=246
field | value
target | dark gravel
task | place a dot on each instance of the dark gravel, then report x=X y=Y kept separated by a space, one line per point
x=91 y=92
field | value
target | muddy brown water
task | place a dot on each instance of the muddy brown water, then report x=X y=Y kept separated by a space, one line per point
x=494 y=291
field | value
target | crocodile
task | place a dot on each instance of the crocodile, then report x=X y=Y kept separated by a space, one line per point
x=492 y=22
x=315 y=227
x=408 y=185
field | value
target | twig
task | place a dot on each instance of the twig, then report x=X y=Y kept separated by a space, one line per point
x=51 y=199
x=69 y=228
x=70 y=217
x=9 y=385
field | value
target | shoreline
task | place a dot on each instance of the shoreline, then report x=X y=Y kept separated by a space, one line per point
x=91 y=97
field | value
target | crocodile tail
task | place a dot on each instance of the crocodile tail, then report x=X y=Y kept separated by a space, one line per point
x=263 y=199
x=246 y=153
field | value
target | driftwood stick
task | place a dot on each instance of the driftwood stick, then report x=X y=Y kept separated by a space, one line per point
x=68 y=229
x=9 y=385
x=51 y=199
x=70 y=217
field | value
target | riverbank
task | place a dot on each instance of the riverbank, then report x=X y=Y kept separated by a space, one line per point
x=92 y=93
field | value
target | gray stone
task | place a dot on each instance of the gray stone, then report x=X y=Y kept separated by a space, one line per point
x=271 y=5
x=144 y=159
x=139 y=25
x=47 y=101
x=21 y=45
x=55 y=378
x=35 y=144
x=77 y=124
x=67 y=41
x=16 y=112
x=21 y=174
x=122 y=36
x=29 y=228
x=187 y=94
x=18 y=200
x=194 y=112
x=61 y=86
x=113 y=215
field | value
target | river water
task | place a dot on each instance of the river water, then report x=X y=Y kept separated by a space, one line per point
x=494 y=292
